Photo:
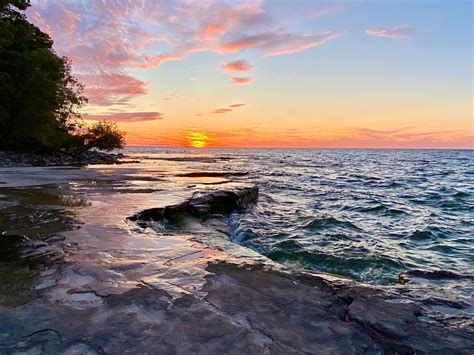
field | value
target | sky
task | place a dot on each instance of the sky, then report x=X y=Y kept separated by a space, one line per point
x=274 y=73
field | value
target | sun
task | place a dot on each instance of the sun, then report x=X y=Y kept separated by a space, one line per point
x=197 y=139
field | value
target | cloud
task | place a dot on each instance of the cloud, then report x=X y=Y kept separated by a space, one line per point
x=222 y=110
x=210 y=32
x=126 y=116
x=240 y=65
x=116 y=38
x=298 y=43
x=241 y=80
x=326 y=10
x=277 y=43
x=108 y=88
x=398 y=32
x=227 y=109
x=346 y=137
x=171 y=95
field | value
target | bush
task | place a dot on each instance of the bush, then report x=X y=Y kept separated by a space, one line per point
x=104 y=135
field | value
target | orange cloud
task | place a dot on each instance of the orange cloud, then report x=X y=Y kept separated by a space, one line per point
x=222 y=110
x=240 y=65
x=227 y=109
x=126 y=116
x=349 y=137
x=397 y=32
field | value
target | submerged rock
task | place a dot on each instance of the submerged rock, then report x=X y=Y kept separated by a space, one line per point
x=407 y=276
x=217 y=202
x=198 y=174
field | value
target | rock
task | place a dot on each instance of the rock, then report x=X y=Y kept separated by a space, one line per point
x=407 y=276
x=217 y=202
x=10 y=247
x=213 y=174
x=16 y=159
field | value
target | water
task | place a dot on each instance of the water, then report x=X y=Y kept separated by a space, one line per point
x=362 y=214
x=68 y=252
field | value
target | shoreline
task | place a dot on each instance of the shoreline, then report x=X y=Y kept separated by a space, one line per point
x=103 y=261
x=10 y=159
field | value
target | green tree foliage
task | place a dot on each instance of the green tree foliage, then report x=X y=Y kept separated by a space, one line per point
x=39 y=96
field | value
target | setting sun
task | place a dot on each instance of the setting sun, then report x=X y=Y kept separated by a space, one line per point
x=197 y=139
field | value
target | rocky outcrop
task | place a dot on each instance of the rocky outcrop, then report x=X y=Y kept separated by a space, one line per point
x=217 y=202
x=15 y=159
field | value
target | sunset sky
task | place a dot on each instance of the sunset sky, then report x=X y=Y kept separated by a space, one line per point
x=272 y=73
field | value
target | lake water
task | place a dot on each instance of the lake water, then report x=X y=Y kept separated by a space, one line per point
x=362 y=214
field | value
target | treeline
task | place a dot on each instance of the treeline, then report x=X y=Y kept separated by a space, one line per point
x=39 y=97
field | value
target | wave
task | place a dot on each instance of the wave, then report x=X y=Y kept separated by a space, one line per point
x=322 y=223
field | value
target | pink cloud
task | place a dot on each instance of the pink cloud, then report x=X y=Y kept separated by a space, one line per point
x=126 y=116
x=105 y=89
x=237 y=105
x=397 y=32
x=210 y=32
x=277 y=43
x=241 y=80
x=113 y=38
x=301 y=42
x=240 y=65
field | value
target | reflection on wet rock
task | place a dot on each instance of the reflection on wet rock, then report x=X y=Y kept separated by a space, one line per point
x=222 y=201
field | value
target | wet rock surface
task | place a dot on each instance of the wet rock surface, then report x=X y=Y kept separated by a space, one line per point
x=14 y=159
x=216 y=202
x=246 y=309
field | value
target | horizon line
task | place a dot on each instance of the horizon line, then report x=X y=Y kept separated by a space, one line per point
x=286 y=147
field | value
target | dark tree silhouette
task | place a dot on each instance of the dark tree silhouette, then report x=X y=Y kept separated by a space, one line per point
x=104 y=135
x=39 y=96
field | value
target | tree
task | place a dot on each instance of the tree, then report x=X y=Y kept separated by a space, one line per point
x=19 y=4
x=39 y=96
x=104 y=135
